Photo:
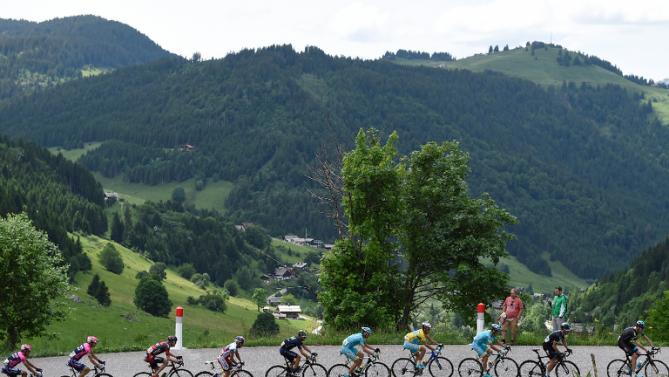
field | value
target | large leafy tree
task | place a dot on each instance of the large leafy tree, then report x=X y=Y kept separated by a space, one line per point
x=34 y=279
x=414 y=233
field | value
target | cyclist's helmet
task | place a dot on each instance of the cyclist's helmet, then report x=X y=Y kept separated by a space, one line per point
x=565 y=326
x=495 y=327
x=426 y=325
x=302 y=334
x=26 y=347
x=366 y=330
x=240 y=339
x=171 y=339
x=640 y=324
x=92 y=340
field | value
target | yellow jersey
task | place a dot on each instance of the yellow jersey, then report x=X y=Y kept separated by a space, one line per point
x=416 y=337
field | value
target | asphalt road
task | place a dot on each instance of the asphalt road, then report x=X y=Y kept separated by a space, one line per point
x=259 y=359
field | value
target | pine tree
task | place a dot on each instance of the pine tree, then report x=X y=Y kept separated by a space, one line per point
x=94 y=286
x=117 y=229
x=103 y=294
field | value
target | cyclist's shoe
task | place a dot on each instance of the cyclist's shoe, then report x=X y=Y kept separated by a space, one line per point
x=639 y=375
x=487 y=375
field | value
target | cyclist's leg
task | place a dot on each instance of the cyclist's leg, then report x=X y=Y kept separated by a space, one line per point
x=356 y=363
x=160 y=364
x=224 y=365
x=633 y=358
x=78 y=366
x=84 y=371
x=419 y=356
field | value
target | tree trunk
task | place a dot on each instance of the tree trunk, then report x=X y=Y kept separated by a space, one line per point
x=13 y=338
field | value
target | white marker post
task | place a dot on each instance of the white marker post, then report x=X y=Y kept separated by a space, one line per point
x=178 y=329
x=480 y=320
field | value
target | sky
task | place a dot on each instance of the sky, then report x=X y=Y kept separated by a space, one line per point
x=634 y=35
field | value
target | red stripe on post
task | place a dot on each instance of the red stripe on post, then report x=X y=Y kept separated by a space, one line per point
x=480 y=308
x=180 y=311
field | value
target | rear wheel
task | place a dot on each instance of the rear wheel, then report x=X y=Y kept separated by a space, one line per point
x=140 y=374
x=506 y=367
x=377 y=369
x=180 y=373
x=338 y=370
x=403 y=367
x=656 y=368
x=241 y=373
x=618 y=368
x=530 y=368
x=314 y=370
x=277 y=371
x=470 y=367
x=567 y=369
x=204 y=374
x=440 y=367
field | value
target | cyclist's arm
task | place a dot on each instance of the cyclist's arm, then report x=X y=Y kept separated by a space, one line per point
x=430 y=345
x=171 y=357
x=650 y=342
x=304 y=351
x=94 y=359
x=496 y=346
x=368 y=349
x=31 y=367
x=238 y=357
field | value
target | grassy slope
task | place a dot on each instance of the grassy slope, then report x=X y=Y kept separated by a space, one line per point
x=298 y=253
x=521 y=276
x=543 y=69
x=74 y=154
x=123 y=327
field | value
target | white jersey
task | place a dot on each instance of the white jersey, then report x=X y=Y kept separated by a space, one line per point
x=229 y=349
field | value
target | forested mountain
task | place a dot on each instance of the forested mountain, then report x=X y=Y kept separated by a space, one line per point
x=36 y=55
x=584 y=168
x=59 y=196
x=626 y=296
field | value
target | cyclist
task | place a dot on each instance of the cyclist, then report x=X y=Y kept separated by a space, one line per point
x=626 y=341
x=292 y=342
x=550 y=345
x=483 y=345
x=158 y=348
x=350 y=350
x=81 y=351
x=227 y=357
x=413 y=340
x=9 y=366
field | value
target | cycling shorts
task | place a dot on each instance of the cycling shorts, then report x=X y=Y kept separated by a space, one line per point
x=480 y=350
x=223 y=363
x=153 y=360
x=412 y=347
x=630 y=349
x=552 y=353
x=11 y=372
x=76 y=364
x=288 y=354
x=350 y=353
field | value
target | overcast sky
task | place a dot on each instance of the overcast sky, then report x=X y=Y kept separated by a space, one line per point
x=634 y=35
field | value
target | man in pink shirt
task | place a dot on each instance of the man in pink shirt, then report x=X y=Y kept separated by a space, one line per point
x=511 y=312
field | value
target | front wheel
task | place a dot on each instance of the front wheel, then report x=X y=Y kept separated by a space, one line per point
x=276 y=371
x=338 y=370
x=241 y=373
x=505 y=367
x=618 y=368
x=180 y=373
x=140 y=374
x=440 y=367
x=530 y=368
x=314 y=370
x=403 y=367
x=656 y=368
x=204 y=374
x=567 y=369
x=377 y=369
x=470 y=367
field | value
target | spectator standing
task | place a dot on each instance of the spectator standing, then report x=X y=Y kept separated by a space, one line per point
x=512 y=310
x=559 y=308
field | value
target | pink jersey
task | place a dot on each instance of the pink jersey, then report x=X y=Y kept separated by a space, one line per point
x=80 y=351
x=15 y=359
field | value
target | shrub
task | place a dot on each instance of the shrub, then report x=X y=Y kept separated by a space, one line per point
x=111 y=259
x=265 y=325
x=186 y=270
x=157 y=270
x=151 y=297
x=98 y=289
x=232 y=287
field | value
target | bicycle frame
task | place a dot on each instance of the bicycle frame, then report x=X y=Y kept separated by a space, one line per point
x=647 y=359
x=543 y=365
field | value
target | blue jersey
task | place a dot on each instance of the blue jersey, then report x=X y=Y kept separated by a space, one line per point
x=353 y=341
x=484 y=338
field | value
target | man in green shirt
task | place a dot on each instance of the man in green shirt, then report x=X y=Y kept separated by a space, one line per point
x=559 y=308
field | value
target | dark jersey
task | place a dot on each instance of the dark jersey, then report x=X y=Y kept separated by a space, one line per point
x=555 y=336
x=291 y=343
x=628 y=336
x=158 y=348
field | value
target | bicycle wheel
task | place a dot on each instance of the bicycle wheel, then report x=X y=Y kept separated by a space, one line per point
x=377 y=369
x=403 y=367
x=440 y=367
x=314 y=370
x=506 y=367
x=180 y=372
x=204 y=374
x=567 y=369
x=140 y=374
x=470 y=367
x=277 y=371
x=618 y=368
x=656 y=368
x=241 y=373
x=338 y=370
x=103 y=375
x=530 y=368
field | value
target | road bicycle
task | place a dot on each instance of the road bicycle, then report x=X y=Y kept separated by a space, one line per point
x=236 y=370
x=97 y=372
x=646 y=362
x=437 y=365
x=502 y=365
x=371 y=367
x=310 y=368
x=176 y=370
x=563 y=368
